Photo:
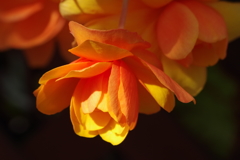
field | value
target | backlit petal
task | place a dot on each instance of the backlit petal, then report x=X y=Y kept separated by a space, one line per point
x=177 y=30
x=192 y=79
x=108 y=134
x=63 y=70
x=119 y=37
x=78 y=128
x=53 y=96
x=157 y=90
x=93 y=70
x=128 y=95
x=99 y=52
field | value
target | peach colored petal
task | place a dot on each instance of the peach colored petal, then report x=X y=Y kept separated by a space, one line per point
x=113 y=87
x=109 y=134
x=92 y=93
x=78 y=128
x=39 y=56
x=63 y=71
x=150 y=82
x=212 y=27
x=103 y=104
x=119 y=37
x=205 y=54
x=99 y=51
x=128 y=95
x=53 y=97
x=90 y=71
x=177 y=31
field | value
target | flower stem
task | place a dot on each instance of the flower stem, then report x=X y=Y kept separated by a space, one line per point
x=123 y=14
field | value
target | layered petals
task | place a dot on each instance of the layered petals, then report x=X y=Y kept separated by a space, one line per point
x=105 y=84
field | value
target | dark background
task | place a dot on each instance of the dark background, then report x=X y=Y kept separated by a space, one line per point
x=208 y=130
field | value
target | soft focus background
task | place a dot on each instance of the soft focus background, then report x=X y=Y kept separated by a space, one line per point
x=208 y=130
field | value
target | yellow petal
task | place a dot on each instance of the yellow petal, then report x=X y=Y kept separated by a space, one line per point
x=110 y=134
x=78 y=128
x=192 y=78
x=159 y=92
x=231 y=15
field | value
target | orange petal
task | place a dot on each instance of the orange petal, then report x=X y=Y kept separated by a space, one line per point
x=63 y=70
x=78 y=128
x=119 y=37
x=38 y=28
x=54 y=96
x=99 y=52
x=40 y=56
x=128 y=95
x=93 y=70
x=147 y=104
x=89 y=93
x=177 y=30
x=206 y=54
x=156 y=3
x=113 y=87
x=180 y=93
x=212 y=27
x=18 y=12
x=150 y=82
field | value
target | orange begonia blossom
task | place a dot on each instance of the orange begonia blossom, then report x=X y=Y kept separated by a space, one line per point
x=187 y=35
x=115 y=78
x=31 y=25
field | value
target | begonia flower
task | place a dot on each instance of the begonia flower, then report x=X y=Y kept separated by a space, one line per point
x=187 y=35
x=114 y=79
x=32 y=25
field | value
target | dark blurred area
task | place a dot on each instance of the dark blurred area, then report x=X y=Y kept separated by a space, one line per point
x=208 y=130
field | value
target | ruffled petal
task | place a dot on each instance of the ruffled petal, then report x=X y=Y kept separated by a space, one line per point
x=93 y=70
x=177 y=31
x=110 y=135
x=119 y=37
x=54 y=96
x=78 y=128
x=64 y=70
x=99 y=52
x=231 y=15
x=212 y=27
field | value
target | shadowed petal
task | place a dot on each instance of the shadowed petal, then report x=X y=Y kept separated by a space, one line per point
x=177 y=31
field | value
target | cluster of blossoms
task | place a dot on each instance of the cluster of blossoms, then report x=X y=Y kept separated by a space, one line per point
x=159 y=50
